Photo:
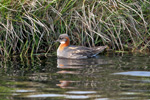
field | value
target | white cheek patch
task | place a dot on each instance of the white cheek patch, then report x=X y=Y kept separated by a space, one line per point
x=62 y=42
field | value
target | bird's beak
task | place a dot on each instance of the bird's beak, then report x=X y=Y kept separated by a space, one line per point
x=57 y=41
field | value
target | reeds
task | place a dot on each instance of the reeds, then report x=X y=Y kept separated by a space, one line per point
x=32 y=26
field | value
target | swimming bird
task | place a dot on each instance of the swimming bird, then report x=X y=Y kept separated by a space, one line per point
x=65 y=50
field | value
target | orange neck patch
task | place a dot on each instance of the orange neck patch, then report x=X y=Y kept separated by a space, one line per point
x=62 y=46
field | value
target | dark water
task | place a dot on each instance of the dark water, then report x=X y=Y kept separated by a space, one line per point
x=112 y=77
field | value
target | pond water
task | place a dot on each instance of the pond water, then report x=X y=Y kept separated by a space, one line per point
x=110 y=77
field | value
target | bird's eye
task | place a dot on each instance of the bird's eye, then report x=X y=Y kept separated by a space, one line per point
x=60 y=38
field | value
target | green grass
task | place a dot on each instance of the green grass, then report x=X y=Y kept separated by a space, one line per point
x=29 y=27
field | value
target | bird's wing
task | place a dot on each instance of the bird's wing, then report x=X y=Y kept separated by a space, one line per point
x=80 y=52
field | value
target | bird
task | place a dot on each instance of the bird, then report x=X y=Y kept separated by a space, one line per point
x=65 y=50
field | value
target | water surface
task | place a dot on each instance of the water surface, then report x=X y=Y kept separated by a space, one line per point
x=111 y=77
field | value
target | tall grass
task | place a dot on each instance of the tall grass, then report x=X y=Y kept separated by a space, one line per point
x=32 y=26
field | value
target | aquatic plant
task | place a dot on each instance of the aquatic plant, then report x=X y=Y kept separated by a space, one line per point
x=31 y=26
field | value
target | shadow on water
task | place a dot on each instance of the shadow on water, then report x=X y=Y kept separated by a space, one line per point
x=106 y=77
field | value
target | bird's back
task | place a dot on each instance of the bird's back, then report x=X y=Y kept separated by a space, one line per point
x=80 y=52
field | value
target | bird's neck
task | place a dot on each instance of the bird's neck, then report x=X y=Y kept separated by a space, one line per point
x=63 y=45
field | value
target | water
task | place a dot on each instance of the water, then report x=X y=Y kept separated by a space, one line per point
x=113 y=77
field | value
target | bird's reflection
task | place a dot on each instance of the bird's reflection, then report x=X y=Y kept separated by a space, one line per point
x=74 y=66
x=65 y=84
x=75 y=63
